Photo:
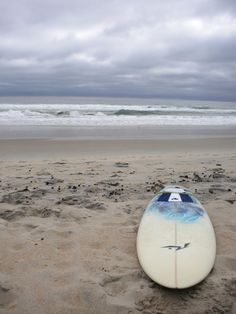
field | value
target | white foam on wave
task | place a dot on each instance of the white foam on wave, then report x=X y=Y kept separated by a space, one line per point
x=105 y=115
x=113 y=108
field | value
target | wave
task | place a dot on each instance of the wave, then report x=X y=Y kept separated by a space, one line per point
x=63 y=113
x=201 y=107
x=67 y=109
x=173 y=112
x=129 y=112
x=116 y=115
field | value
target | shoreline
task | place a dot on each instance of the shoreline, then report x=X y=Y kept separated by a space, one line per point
x=40 y=149
x=114 y=132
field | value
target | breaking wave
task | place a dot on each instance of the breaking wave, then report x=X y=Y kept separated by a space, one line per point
x=113 y=115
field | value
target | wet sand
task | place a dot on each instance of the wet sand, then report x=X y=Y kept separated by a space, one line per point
x=117 y=132
x=39 y=149
x=69 y=222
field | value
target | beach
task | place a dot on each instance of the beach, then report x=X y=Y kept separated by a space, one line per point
x=70 y=211
x=117 y=141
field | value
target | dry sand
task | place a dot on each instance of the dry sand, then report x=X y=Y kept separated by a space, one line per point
x=68 y=232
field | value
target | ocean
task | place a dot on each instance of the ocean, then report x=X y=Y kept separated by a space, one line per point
x=115 y=112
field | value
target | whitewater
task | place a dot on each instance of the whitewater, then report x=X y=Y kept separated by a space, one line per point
x=114 y=113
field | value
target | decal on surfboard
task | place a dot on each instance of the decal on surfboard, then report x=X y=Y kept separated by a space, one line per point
x=176 y=247
x=186 y=212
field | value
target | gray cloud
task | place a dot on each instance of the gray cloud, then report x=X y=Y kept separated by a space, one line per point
x=183 y=49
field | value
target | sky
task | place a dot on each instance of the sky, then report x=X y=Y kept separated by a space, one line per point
x=182 y=49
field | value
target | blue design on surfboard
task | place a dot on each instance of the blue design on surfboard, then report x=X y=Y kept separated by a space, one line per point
x=184 y=211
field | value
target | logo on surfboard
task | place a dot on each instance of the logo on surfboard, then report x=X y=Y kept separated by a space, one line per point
x=176 y=247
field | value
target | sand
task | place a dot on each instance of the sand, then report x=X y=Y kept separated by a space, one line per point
x=68 y=229
x=73 y=149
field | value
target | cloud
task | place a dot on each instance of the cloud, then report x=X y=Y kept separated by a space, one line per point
x=181 y=49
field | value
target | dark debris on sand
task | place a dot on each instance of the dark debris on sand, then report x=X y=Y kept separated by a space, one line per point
x=49 y=193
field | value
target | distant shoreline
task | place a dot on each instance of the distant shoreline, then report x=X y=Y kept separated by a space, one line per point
x=116 y=132
x=72 y=149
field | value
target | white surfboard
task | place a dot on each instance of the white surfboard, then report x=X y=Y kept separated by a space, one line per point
x=176 y=243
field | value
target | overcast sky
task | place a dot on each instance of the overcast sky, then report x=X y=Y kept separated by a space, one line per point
x=143 y=48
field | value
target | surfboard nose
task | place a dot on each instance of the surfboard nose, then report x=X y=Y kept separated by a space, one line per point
x=174 y=189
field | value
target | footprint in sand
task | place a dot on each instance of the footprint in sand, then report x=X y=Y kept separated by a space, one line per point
x=30 y=226
x=230 y=263
x=65 y=245
x=121 y=284
x=7 y=295
x=231 y=228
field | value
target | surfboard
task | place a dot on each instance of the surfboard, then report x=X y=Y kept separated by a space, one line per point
x=176 y=243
